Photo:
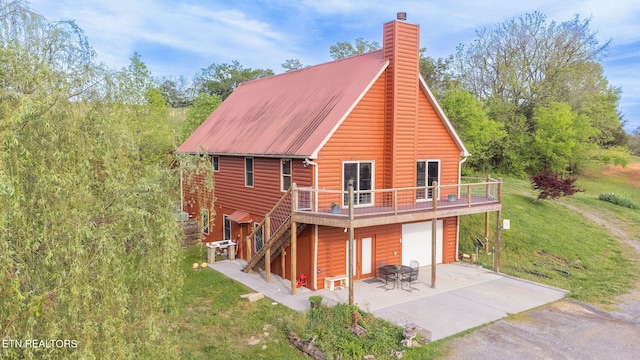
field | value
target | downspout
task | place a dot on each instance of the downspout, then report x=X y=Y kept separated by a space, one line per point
x=464 y=158
x=307 y=161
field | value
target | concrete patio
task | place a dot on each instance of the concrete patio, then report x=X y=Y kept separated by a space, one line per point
x=465 y=296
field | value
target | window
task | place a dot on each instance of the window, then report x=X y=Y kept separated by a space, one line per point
x=215 y=163
x=427 y=171
x=205 y=221
x=285 y=174
x=361 y=172
x=248 y=172
x=227 y=227
x=258 y=238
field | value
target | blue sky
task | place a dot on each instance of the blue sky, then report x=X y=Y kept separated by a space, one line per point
x=179 y=37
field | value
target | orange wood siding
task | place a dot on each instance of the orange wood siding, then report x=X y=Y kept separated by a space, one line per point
x=401 y=46
x=332 y=247
x=435 y=143
x=360 y=137
x=304 y=260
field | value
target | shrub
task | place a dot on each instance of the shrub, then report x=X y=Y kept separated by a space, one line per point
x=553 y=185
x=618 y=200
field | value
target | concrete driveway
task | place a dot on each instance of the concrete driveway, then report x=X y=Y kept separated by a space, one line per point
x=465 y=296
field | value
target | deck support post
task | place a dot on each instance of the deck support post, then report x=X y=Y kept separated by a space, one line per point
x=351 y=255
x=294 y=238
x=266 y=240
x=434 y=230
x=498 y=228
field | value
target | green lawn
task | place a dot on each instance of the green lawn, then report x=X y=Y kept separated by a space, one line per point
x=547 y=239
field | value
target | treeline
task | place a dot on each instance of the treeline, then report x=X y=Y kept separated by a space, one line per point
x=89 y=245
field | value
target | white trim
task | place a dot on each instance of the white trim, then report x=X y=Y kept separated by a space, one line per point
x=426 y=178
x=314 y=154
x=373 y=181
x=213 y=157
x=225 y=218
x=253 y=172
x=443 y=117
x=282 y=189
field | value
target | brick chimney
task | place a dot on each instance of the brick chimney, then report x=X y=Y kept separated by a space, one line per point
x=401 y=47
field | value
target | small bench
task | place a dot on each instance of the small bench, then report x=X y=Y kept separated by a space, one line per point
x=330 y=282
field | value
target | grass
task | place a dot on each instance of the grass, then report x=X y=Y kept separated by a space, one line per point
x=547 y=239
x=214 y=323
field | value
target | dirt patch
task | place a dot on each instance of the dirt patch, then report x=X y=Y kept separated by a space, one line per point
x=631 y=172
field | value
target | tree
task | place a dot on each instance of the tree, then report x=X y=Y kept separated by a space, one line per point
x=177 y=91
x=560 y=138
x=525 y=65
x=345 y=49
x=510 y=61
x=553 y=185
x=292 y=64
x=147 y=112
x=480 y=134
x=223 y=79
x=203 y=106
x=89 y=246
x=634 y=142
x=436 y=73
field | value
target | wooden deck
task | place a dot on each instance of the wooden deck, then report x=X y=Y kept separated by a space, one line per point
x=380 y=215
x=398 y=205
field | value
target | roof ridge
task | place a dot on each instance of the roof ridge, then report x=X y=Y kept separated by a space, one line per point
x=369 y=53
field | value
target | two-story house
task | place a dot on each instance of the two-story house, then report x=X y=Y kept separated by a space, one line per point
x=369 y=119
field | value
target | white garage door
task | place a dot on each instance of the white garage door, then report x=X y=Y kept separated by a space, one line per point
x=416 y=243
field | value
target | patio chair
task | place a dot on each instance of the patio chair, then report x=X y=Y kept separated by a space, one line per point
x=383 y=275
x=414 y=264
x=410 y=277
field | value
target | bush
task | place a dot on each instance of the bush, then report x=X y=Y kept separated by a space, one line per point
x=553 y=185
x=618 y=200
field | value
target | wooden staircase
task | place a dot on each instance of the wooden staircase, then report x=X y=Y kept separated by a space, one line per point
x=276 y=233
x=280 y=240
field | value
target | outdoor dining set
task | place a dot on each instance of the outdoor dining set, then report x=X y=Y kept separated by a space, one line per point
x=399 y=275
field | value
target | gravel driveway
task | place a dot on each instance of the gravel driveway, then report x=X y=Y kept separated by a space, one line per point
x=563 y=330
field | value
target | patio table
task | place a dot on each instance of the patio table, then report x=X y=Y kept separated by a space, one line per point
x=396 y=271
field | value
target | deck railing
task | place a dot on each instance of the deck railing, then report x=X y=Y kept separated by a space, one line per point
x=471 y=191
x=272 y=222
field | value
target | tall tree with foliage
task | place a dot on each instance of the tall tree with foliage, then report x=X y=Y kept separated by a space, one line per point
x=222 y=79
x=147 y=109
x=89 y=246
x=203 y=106
x=481 y=135
x=528 y=63
x=345 y=49
x=560 y=138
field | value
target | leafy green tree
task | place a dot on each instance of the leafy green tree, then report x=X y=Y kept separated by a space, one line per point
x=89 y=246
x=480 y=134
x=345 y=49
x=634 y=142
x=222 y=79
x=436 y=73
x=203 y=106
x=292 y=64
x=560 y=141
x=177 y=91
x=525 y=65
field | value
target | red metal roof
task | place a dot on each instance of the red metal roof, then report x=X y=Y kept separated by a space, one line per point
x=287 y=115
x=239 y=217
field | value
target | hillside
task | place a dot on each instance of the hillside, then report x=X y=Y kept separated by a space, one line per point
x=579 y=243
